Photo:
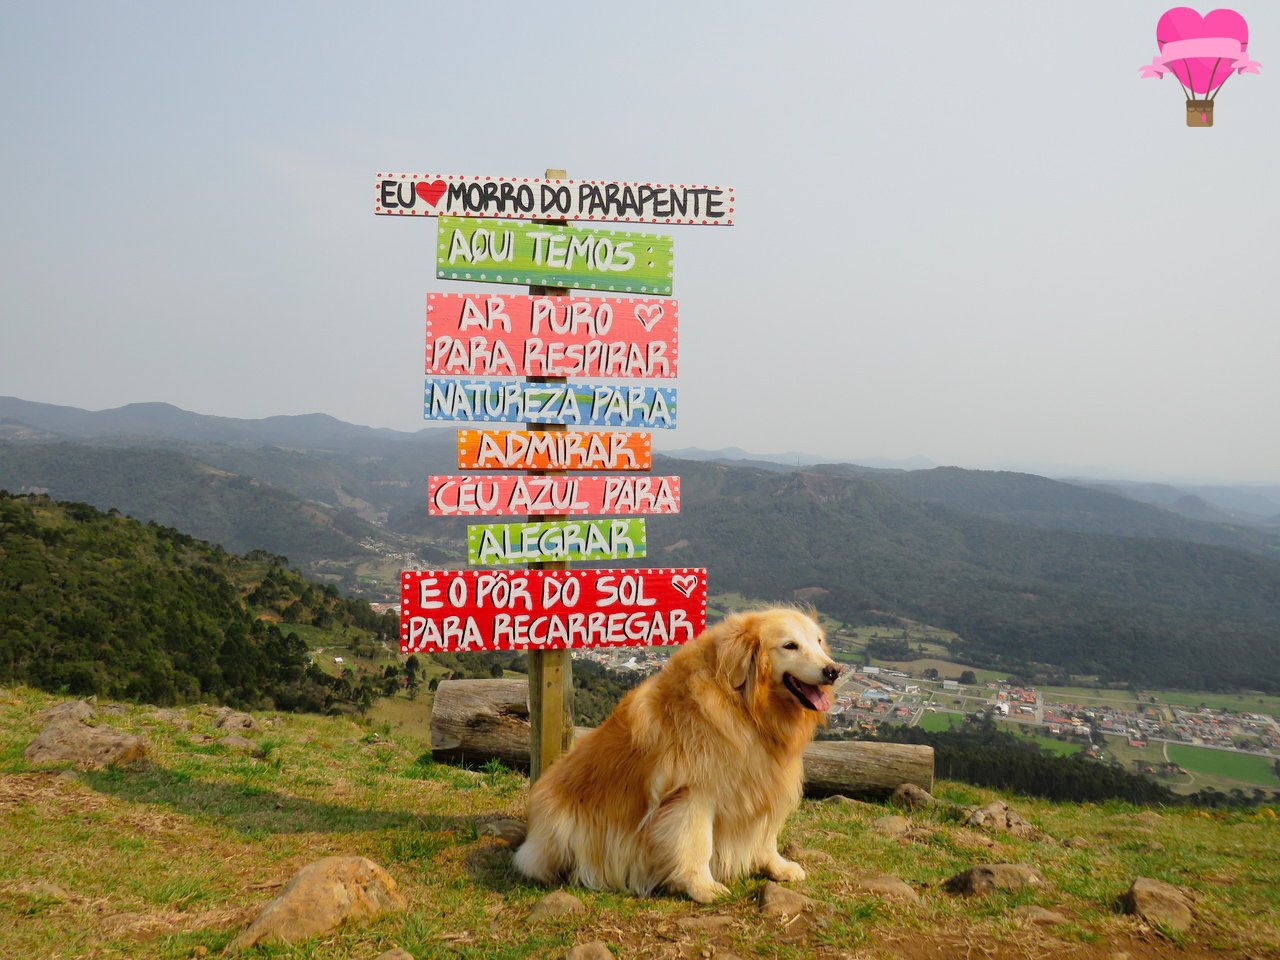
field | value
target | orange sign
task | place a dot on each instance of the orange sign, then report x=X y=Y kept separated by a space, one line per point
x=561 y=450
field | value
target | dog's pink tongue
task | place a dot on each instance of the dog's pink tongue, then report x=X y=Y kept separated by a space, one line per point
x=820 y=699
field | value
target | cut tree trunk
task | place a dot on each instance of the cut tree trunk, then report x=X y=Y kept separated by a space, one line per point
x=477 y=720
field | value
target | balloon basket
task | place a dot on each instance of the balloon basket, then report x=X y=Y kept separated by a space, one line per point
x=1199 y=113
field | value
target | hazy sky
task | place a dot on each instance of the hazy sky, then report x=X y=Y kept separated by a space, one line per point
x=966 y=231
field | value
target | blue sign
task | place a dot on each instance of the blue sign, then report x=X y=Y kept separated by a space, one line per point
x=573 y=404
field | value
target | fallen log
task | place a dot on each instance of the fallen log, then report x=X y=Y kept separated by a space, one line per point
x=477 y=720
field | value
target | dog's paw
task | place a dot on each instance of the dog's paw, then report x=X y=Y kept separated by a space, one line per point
x=705 y=891
x=785 y=871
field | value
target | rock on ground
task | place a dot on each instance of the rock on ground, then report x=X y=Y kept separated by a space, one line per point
x=238 y=743
x=998 y=816
x=395 y=953
x=556 y=904
x=705 y=924
x=1159 y=903
x=596 y=950
x=67 y=740
x=320 y=897
x=512 y=831
x=69 y=710
x=893 y=826
x=1034 y=914
x=887 y=886
x=172 y=717
x=912 y=797
x=995 y=876
x=776 y=901
x=227 y=719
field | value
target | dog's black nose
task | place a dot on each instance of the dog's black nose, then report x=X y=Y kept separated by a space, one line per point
x=830 y=673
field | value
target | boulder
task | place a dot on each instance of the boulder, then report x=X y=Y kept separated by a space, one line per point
x=999 y=817
x=994 y=876
x=322 y=896
x=227 y=719
x=1159 y=904
x=887 y=886
x=91 y=748
x=395 y=953
x=512 y=831
x=77 y=710
x=912 y=797
x=595 y=950
x=777 y=901
x=892 y=826
x=556 y=904
x=1033 y=914
x=237 y=743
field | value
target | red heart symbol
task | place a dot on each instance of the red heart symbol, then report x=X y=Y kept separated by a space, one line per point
x=430 y=192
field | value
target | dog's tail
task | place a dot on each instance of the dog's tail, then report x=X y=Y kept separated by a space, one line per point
x=545 y=855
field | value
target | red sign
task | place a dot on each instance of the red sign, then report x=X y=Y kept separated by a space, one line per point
x=490 y=496
x=472 y=334
x=562 y=450
x=467 y=610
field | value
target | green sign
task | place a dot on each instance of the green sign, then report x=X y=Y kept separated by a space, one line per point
x=583 y=258
x=555 y=540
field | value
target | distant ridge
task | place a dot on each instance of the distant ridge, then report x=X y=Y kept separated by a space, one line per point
x=163 y=421
x=794 y=459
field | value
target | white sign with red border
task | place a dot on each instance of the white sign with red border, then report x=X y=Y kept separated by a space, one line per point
x=531 y=198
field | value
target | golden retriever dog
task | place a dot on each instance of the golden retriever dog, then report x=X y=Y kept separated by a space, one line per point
x=688 y=782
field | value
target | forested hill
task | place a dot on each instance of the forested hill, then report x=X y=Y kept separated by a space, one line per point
x=97 y=603
x=239 y=512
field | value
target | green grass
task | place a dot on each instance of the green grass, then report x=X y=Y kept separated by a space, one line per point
x=155 y=861
x=936 y=722
x=1222 y=763
x=1240 y=703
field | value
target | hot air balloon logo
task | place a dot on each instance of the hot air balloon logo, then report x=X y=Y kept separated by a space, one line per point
x=1201 y=53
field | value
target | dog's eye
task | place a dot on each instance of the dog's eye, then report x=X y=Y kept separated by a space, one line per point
x=791 y=646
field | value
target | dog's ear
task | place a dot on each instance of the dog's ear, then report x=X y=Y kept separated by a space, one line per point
x=738 y=650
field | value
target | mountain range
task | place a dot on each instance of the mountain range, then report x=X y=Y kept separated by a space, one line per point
x=1033 y=573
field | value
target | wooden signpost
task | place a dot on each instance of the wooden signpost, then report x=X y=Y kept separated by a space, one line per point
x=540 y=340
x=615 y=337
x=496 y=496
x=492 y=543
x=523 y=198
x=469 y=610
x=575 y=405
x=589 y=258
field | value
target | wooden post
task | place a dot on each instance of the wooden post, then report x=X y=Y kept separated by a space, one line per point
x=550 y=671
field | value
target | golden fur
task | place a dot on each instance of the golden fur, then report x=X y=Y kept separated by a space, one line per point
x=688 y=782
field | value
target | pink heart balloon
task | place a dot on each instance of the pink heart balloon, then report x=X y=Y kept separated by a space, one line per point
x=1201 y=74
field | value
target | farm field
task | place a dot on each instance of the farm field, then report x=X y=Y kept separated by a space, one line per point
x=1240 y=702
x=947 y=669
x=935 y=722
x=1222 y=763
